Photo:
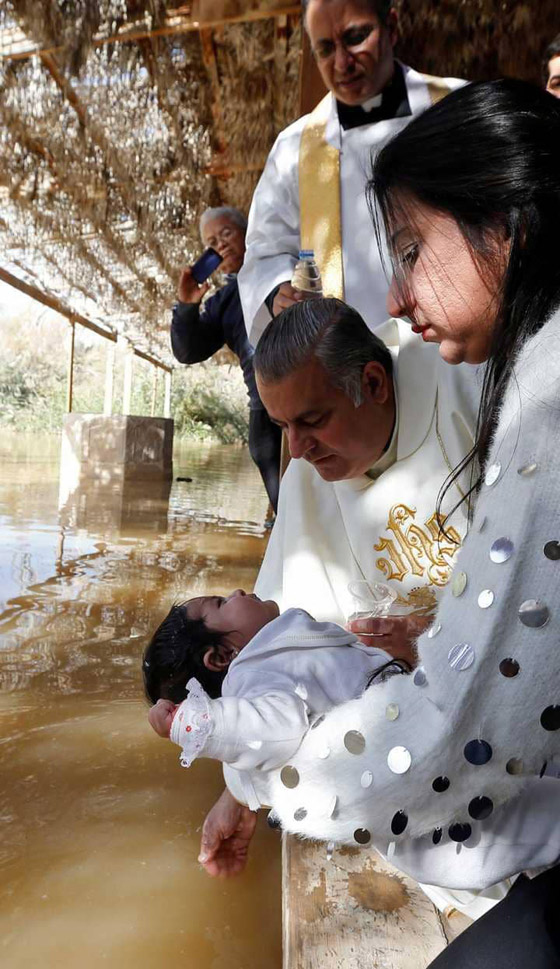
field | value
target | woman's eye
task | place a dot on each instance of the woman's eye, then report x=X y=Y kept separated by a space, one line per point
x=408 y=256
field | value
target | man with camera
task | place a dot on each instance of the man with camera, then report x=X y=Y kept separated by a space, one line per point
x=199 y=331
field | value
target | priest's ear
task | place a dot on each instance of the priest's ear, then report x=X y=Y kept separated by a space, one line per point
x=376 y=383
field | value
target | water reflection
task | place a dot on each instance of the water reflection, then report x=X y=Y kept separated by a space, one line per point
x=100 y=825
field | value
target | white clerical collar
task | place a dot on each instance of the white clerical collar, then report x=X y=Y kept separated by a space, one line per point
x=371 y=103
x=389 y=457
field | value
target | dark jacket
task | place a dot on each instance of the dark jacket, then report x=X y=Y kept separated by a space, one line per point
x=199 y=331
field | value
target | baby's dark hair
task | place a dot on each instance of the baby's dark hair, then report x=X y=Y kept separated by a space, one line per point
x=175 y=653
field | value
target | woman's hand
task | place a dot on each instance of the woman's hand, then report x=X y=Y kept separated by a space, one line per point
x=161 y=716
x=189 y=290
x=397 y=635
x=226 y=836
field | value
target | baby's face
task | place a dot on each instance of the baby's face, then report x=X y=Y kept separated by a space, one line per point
x=238 y=616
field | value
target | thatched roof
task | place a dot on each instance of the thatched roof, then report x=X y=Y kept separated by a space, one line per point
x=110 y=151
x=121 y=120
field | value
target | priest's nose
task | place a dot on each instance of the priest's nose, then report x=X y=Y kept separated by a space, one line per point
x=298 y=442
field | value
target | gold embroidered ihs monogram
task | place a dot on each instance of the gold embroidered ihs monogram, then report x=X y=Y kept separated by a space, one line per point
x=420 y=550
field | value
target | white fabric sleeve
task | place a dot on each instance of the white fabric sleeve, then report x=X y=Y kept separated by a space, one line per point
x=438 y=751
x=273 y=234
x=259 y=732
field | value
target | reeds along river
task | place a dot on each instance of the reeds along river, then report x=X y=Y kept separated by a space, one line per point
x=100 y=825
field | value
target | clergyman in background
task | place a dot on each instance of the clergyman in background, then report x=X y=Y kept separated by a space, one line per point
x=198 y=331
x=551 y=67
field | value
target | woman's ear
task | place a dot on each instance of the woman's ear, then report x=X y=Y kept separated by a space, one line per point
x=218 y=658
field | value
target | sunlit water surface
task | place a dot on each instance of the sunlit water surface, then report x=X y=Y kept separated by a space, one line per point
x=100 y=825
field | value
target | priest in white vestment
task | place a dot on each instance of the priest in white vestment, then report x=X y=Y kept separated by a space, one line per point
x=311 y=194
x=379 y=524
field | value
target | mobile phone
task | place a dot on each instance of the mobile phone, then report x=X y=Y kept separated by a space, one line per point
x=206 y=264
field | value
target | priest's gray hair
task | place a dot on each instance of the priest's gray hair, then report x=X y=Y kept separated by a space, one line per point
x=380 y=7
x=226 y=211
x=329 y=330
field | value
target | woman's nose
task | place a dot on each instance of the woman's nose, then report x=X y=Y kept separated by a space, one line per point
x=397 y=301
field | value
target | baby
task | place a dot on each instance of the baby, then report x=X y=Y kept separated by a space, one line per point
x=232 y=679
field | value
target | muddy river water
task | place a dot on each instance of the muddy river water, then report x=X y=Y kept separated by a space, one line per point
x=100 y=826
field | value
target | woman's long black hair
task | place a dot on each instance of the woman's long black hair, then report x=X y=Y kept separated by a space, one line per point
x=489 y=156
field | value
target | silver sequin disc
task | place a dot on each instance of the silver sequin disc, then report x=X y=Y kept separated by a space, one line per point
x=366 y=780
x=527 y=469
x=514 y=765
x=354 y=742
x=461 y=656
x=392 y=711
x=434 y=630
x=300 y=814
x=420 y=678
x=459 y=584
x=323 y=752
x=330 y=850
x=362 y=836
x=486 y=598
x=399 y=760
x=501 y=550
x=301 y=691
x=552 y=551
x=289 y=777
x=492 y=474
x=390 y=850
x=533 y=613
x=332 y=807
x=255 y=744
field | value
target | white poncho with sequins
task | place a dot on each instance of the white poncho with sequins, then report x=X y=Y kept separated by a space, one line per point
x=438 y=752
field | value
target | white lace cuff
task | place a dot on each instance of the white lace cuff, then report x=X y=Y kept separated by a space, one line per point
x=192 y=723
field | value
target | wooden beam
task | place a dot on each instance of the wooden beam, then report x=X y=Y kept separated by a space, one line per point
x=211 y=65
x=220 y=169
x=151 y=359
x=182 y=27
x=55 y=304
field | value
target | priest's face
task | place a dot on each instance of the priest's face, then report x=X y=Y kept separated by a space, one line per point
x=322 y=423
x=353 y=49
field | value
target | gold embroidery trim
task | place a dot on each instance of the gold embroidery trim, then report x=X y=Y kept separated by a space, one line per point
x=319 y=199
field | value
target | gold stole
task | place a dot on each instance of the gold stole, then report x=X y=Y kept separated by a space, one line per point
x=319 y=191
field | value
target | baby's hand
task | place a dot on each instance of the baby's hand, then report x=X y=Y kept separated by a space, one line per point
x=161 y=716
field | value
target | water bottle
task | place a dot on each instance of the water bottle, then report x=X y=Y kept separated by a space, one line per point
x=306 y=276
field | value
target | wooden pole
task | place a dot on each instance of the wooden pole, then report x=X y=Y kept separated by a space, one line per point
x=70 y=384
x=167 y=399
x=109 y=376
x=154 y=390
x=127 y=385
